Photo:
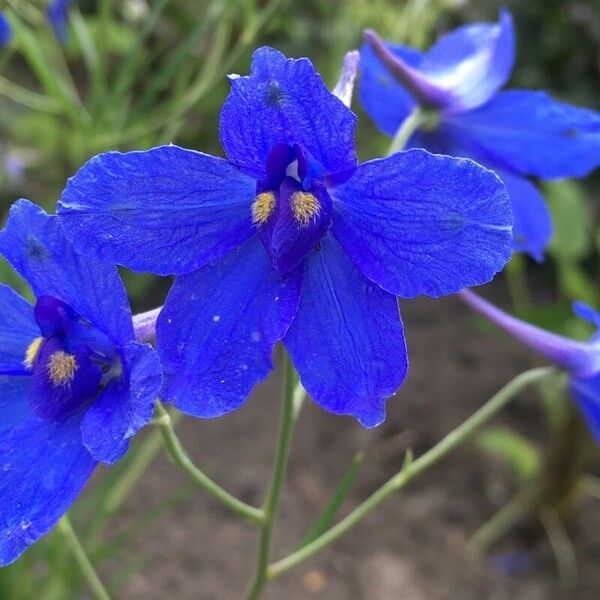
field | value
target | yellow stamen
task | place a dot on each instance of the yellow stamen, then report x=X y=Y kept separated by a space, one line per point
x=305 y=207
x=263 y=206
x=32 y=352
x=61 y=368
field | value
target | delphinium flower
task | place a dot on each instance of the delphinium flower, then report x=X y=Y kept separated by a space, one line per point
x=57 y=14
x=580 y=359
x=517 y=133
x=6 y=31
x=74 y=383
x=289 y=239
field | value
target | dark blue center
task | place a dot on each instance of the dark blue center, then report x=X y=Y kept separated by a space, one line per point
x=292 y=209
x=70 y=362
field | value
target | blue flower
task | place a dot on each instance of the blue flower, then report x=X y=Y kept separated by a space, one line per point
x=580 y=359
x=74 y=383
x=6 y=32
x=516 y=133
x=57 y=14
x=289 y=239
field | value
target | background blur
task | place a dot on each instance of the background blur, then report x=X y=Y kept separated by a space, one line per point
x=136 y=73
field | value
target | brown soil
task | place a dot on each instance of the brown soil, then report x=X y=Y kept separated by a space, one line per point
x=414 y=546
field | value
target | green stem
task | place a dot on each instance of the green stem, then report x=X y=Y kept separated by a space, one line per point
x=413 y=468
x=288 y=419
x=65 y=527
x=181 y=458
x=414 y=120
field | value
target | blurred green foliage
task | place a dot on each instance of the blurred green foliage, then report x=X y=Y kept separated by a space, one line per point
x=136 y=73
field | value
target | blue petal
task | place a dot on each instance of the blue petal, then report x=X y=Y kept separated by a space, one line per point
x=35 y=245
x=124 y=407
x=58 y=17
x=285 y=101
x=6 y=32
x=347 y=340
x=17 y=330
x=531 y=134
x=532 y=227
x=382 y=97
x=217 y=331
x=167 y=210
x=586 y=392
x=13 y=401
x=417 y=223
x=586 y=312
x=43 y=468
x=472 y=62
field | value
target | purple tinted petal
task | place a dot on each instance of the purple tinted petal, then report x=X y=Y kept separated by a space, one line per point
x=586 y=392
x=125 y=406
x=347 y=340
x=35 y=245
x=345 y=86
x=531 y=134
x=285 y=101
x=13 y=401
x=418 y=223
x=218 y=328
x=6 y=32
x=167 y=210
x=382 y=97
x=43 y=468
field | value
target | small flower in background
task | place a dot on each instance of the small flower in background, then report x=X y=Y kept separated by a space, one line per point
x=6 y=32
x=580 y=359
x=517 y=133
x=57 y=14
x=289 y=239
x=74 y=384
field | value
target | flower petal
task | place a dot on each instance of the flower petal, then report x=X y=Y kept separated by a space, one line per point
x=472 y=62
x=13 y=401
x=417 y=223
x=43 y=469
x=17 y=330
x=347 y=340
x=586 y=392
x=35 y=245
x=124 y=407
x=532 y=227
x=531 y=134
x=166 y=210
x=218 y=328
x=382 y=97
x=285 y=101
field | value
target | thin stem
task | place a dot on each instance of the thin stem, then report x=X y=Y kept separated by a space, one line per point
x=413 y=468
x=414 y=120
x=65 y=527
x=288 y=419
x=181 y=458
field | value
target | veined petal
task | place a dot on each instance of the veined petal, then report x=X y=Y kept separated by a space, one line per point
x=384 y=99
x=217 y=331
x=123 y=407
x=13 y=401
x=532 y=228
x=472 y=62
x=166 y=210
x=418 y=223
x=347 y=340
x=43 y=468
x=530 y=133
x=285 y=101
x=17 y=330
x=35 y=245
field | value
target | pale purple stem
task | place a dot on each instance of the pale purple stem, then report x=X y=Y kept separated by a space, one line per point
x=144 y=325
x=579 y=358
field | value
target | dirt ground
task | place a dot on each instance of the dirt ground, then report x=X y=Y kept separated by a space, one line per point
x=414 y=546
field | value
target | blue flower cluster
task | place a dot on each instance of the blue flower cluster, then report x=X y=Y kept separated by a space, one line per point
x=289 y=239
